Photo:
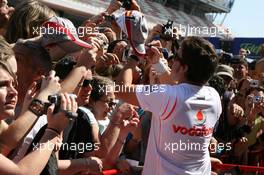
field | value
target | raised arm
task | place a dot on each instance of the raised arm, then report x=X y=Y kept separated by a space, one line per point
x=15 y=132
x=34 y=162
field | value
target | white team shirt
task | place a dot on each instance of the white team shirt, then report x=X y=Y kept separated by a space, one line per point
x=183 y=118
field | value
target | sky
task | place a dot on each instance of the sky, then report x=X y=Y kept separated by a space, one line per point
x=246 y=18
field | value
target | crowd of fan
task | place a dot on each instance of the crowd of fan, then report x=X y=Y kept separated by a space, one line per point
x=41 y=55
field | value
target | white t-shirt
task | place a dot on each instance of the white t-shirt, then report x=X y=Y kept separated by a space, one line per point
x=22 y=150
x=42 y=120
x=103 y=124
x=183 y=118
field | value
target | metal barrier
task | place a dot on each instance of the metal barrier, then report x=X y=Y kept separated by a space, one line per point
x=243 y=168
x=222 y=167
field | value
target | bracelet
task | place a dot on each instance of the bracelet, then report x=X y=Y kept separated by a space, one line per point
x=53 y=130
x=160 y=67
x=37 y=107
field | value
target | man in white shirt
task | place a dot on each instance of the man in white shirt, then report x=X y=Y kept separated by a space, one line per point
x=184 y=115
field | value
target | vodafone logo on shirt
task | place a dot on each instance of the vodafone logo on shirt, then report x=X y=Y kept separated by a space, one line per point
x=200 y=118
x=199 y=129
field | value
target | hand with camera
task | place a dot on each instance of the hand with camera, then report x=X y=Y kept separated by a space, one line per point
x=153 y=51
x=49 y=85
x=38 y=94
x=155 y=31
x=88 y=57
x=68 y=107
x=254 y=105
x=107 y=59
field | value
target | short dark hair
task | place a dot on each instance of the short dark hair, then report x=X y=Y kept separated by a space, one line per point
x=218 y=83
x=200 y=57
x=99 y=85
x=112 y=45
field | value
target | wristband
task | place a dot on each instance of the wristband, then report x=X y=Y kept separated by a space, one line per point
x=37 y=107
x=160 y=67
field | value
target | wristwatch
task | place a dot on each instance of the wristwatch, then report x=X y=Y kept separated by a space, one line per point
x=37 y=107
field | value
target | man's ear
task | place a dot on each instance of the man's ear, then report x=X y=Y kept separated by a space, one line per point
x=184 y=68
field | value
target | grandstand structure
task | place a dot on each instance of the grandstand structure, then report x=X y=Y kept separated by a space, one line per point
x=186 y=14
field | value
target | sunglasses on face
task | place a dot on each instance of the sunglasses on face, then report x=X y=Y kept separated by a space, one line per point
x=125 y=54
x=110 y=103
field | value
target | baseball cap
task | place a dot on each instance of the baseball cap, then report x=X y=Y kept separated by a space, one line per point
x=134 y=25
x=61 y=31
x=225 y=70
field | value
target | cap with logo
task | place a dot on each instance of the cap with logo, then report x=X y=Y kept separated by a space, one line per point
x=134 y=25
x=61 y=31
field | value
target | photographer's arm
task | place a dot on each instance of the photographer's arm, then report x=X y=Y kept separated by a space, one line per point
x=36 y=159
x=125 y=77
x=40 y=155
x=126 y=127
x=128 y=94
x=15 y=132
x=93 y=165
x=111 y=134
x=70 y=83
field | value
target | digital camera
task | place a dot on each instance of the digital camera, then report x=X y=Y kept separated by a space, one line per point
x=167 y=31
x=257 y=99
x=56 y=100
x=256 y=84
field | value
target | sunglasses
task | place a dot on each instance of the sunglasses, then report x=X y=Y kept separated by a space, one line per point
x=110 y=103
x=125 y=54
